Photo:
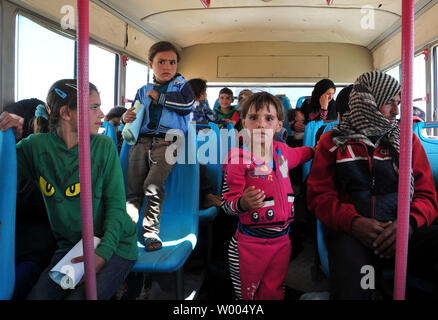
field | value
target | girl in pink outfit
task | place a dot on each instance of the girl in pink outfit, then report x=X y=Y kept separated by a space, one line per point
x=257 y=189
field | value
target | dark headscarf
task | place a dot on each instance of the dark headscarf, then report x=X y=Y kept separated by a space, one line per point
x=25 y=109
x=342 y=100
x=320 y=88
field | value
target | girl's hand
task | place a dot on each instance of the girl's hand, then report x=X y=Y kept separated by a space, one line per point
x=99 y=261
x=252 y=199
x=300 y=126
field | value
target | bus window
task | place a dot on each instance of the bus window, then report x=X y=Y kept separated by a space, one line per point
x=103 y=75
x=136 y=77
x=39 y=66
x=419 y=82
x=435 y=83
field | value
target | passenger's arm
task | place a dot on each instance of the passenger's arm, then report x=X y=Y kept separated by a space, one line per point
x=10 y=120
x=180 y=102
x=236 y=196
x=232 y=189
x=423 y=209
x=113 y=193
x=322 y=196
x=298 y=156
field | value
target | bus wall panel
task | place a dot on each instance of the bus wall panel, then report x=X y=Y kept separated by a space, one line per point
x=345 y=62
x=426 y=30
x=138 y=43
x=273 y=67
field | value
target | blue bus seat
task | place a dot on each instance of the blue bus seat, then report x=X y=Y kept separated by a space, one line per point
x=309 y=138
x=8 y=194
x=124 y=159
x=301 y=100
x=110 y=131
x=321 y=229
x=286 y=106
x=309 y=141
x=210 y=138
x=329 y=125
x=430 y=146
x=214 y=167
x=179 y=220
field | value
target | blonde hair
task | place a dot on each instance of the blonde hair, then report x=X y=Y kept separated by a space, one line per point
x=243 y=95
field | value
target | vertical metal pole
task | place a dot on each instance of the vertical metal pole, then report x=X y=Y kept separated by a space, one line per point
x=84 y=148
x=405 y=164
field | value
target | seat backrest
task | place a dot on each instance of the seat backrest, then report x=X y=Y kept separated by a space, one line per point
x=124 y=159
x=180 y=216
x=8 y=194
x=286 y=106
x=430 y=146
x=209 y=146
x=329 y=125
x=110 y=131
x=301 y=100
x=181 y=204
x=183 y=181
x=309 y=141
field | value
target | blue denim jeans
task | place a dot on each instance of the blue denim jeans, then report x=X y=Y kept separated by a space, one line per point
x=108 y=279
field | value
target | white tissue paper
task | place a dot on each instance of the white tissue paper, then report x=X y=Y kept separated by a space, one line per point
x=68 y=274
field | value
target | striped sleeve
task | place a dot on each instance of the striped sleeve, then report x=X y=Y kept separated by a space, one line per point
x=234 y=183
x=231 y=207
x=180 y=102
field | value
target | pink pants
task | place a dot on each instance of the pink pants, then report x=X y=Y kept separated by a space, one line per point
x=259 y=266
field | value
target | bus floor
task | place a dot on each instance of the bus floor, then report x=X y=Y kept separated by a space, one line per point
x=209 y=280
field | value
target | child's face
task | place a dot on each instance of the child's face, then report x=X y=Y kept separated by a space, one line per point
x=115 y=122
x=95 y=116
x=164 y=65
x=203 y=96
x=225 y=100
x=262 y=125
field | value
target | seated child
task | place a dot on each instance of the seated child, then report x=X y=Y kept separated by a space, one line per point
x=201 y=110
x=243 y=95
x=113 y=117
x=51 y=160
x=296 y=118
x=203 y=114
x=225 y=111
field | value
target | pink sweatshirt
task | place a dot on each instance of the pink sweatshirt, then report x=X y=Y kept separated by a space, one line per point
x=243 y=170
